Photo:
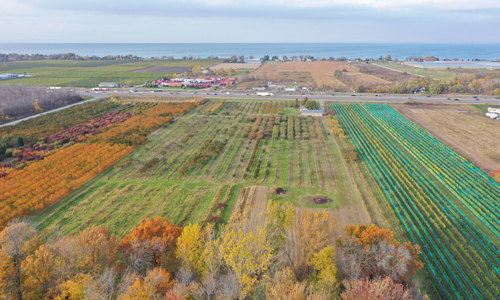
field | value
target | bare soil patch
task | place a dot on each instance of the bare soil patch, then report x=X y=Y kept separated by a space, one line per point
x=164 y=69
x=473 y=136
x=254 y=200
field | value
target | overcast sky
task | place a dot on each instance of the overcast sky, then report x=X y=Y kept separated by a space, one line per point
x=179 y=21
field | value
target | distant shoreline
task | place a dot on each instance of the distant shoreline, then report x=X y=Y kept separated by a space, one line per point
x=224 y=50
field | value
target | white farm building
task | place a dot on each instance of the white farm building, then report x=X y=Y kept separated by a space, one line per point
x=8 y=76
x=108 y=85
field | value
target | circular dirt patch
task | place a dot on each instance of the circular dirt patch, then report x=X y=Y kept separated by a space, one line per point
x=317 y=199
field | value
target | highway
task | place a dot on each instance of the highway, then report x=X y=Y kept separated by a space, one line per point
x=319 y=96
x=247 y=95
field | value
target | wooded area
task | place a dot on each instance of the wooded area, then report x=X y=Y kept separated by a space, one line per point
x=21 y=101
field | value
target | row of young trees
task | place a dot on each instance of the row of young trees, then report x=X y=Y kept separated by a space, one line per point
x=159 y=260
x=41 y=178
x=21 y=101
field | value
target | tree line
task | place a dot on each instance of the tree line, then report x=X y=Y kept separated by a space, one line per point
x=20 y=101
x=160 y=260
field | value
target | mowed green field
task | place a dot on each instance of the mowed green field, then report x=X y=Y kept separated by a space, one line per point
x=432 y=72
x=199 y=161
x=88 y=73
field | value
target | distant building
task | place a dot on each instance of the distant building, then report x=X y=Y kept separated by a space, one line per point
x=253 y=60
x=8 y=76
x=312 y=113
x=108 y=85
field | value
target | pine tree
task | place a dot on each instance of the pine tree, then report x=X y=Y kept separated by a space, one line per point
x=20 y=142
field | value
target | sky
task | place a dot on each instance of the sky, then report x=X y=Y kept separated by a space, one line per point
x=250 y=21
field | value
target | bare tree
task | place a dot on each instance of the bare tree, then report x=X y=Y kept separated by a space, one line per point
x=103 y=287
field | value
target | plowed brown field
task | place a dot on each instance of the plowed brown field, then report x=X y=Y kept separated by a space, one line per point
x=473 y=136
x=321 y=72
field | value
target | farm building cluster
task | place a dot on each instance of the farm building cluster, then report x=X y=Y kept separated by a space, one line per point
x=194 y=83
x=493 y=113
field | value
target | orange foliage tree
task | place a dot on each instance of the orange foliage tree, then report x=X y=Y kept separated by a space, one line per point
x=152 y=243
x=370 y=251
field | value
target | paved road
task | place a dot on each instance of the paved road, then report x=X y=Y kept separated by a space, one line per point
x=321 y=97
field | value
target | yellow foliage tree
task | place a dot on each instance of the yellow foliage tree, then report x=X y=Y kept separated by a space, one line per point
x=190 y=247
x=73 y=289
x=37 y=106
x=39 y=273
x=326 y=277
x=248 y=255
x=316 y=231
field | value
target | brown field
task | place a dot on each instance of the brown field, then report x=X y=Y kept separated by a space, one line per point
x=321 y=73
x=235 y=66
x=472 y=135
x=165 y=69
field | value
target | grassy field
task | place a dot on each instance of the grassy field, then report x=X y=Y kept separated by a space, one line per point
x=185 y=170
x=91 y=73
x=434 y=73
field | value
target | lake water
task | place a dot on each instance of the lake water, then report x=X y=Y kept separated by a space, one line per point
x=147 y=50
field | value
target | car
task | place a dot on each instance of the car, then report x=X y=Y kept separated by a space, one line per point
x=353 y=95
x=196 y=92
x=215 y=94
x=428 y=96
x=376 y=95
x=248 y=94
x=474 y=96
x=448 y=98
x=87 y=92
x=455 y=99
x=312 y=94
x=171 y=93
x=208 y=93
x=177 y=93
x=333 y=94
x=189 y=91
x=302 y=94
x=497 y=98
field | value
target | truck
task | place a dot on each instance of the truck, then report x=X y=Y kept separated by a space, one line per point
x=264 y=94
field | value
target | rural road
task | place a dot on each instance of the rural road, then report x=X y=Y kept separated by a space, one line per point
x=320 y=97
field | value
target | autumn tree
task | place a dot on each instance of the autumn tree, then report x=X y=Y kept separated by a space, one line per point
x=99 y=249
x=316 y=231
x=17 y=241
x=377 y=289
x=196 y=70
x=246 y=252
x=370 y=251
x=39 y=272
x=151 y=244
x=153 y=286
